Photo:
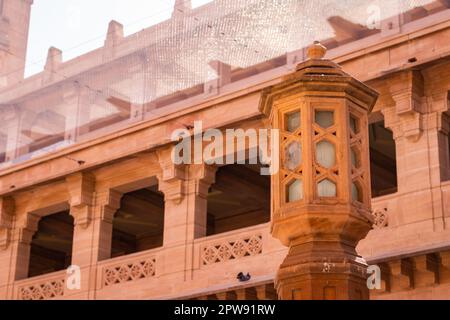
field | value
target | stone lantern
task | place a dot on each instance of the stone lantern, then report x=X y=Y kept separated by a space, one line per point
x=321 y=194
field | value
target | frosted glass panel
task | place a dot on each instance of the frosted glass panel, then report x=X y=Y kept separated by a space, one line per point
x=325 y=119
x=295 y=191
x=293 y=121
x=326 y=154
x=354 y=124
x=354 y=158
x=293 y=156
x=356 y=196
x=327 y=188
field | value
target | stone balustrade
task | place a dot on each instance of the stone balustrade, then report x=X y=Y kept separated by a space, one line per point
x=147 y=269
x=45 y=287
x=134 y=267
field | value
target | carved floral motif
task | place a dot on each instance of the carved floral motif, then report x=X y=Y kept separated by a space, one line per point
x=381 y=218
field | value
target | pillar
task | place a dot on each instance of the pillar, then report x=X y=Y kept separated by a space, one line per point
x=185 y=189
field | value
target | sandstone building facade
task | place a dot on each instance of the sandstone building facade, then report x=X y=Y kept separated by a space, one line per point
x=87 y=179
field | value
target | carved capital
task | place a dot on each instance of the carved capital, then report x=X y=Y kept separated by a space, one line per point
x=27 y=227
x=6 y=219
x=81 y=187
x=407 y=91
x=109 y=202
x=172 y=178
x=202 y=176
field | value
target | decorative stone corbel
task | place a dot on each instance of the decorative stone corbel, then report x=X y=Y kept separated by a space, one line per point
x=173 y=176
x=402 y=272
x=81 y=187
x=109 y=202
x=202 y=176
x=407 y=90
x=27 y=227
x=6 y=219
x=428 y=266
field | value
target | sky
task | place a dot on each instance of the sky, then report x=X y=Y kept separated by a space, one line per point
x=79 y=26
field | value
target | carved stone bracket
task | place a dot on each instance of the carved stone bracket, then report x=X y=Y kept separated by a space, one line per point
x=202 y=176
x=109 y=202
x=81 y=187
x=402 y=272
x=405 y=119
x=427 y=266
x=172 y=178
x=6 y=219
x=27 y=227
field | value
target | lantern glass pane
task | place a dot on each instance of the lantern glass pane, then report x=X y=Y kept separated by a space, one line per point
x=293 y=121
x=356 y=194
x=326 y=154
x=295 y=191
x=354 y=124
x=354 y=158
x=327 y=188
x=325 y=119
x=293 y=155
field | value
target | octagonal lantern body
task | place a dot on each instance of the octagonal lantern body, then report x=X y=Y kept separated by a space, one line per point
x=321 y=193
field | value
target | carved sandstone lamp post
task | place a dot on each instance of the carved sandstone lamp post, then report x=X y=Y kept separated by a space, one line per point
x=321 y=194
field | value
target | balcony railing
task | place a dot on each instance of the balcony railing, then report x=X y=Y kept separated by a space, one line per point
x=231 y=245
x=134 y=267
x=146 y=270
x=45 y=287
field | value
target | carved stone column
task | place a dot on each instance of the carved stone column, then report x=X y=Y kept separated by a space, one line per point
x=185 y=189
x=420 y=125
x=321 y=194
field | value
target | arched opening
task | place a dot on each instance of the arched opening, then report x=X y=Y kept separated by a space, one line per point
x=239 y=198
x=138 y=224
x=51 y=246
x=383 y=159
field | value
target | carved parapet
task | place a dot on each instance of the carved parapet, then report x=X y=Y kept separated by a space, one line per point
x=6 y=220
x=81 y=187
